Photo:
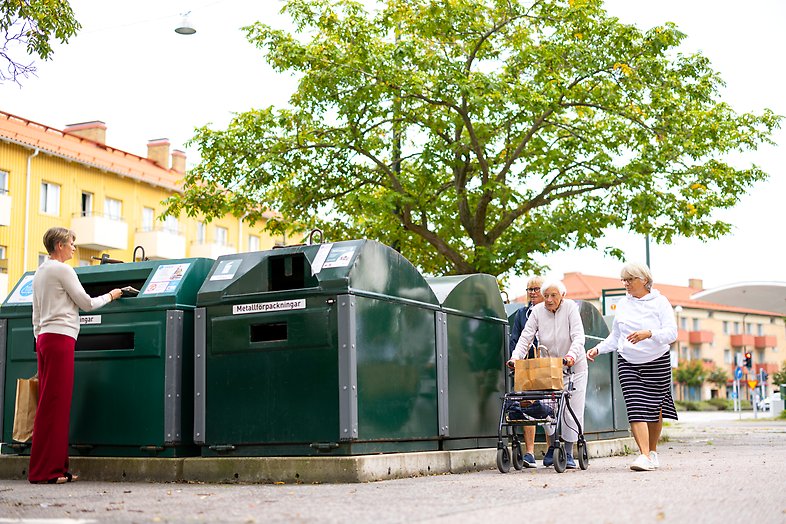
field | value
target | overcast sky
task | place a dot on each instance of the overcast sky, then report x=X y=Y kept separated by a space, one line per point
x=129 y=69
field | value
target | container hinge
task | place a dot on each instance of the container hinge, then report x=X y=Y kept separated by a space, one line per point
x=82 y=447
x=223 y=447
x=151 y=448
x=20 y=446
x=324 y=446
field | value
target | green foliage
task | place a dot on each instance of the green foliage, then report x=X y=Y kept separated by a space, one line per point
x=686 y=405
x=32 y=25
x=721 y=404
x=690 y=373
x=782 y=415
x=718 y=376
x=779 y=377
x=476 y=134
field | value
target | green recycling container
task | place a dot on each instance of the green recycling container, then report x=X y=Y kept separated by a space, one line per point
x=133 y=365
x=315 y=349
x=473 y=337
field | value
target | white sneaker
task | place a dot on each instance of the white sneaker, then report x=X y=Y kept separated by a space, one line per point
x=642 y=463
x=654 y=460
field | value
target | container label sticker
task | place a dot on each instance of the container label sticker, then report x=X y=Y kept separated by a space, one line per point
x=339 y=256
x=23 y=294
x=322 y=254
x=166 y=279
x=264 y=307
x=226 y=269
x=89 y=319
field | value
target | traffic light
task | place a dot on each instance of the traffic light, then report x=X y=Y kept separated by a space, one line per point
x=748 y=359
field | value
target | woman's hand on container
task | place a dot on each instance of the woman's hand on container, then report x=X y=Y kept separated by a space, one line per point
x=116 y=293
x=592 y=353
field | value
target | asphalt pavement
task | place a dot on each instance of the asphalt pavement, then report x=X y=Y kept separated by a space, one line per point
x=715 y=467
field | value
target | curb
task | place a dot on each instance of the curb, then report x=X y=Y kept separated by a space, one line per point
x=292 y=470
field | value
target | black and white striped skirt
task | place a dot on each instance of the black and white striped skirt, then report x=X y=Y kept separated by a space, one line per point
x=647 y=389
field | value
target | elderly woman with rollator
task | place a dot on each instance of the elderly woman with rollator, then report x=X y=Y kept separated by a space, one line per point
x=641 y=334
x=557 y=324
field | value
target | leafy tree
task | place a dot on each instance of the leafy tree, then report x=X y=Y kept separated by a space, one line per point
x=690 y=373
x=33 y=25
x=779 y=377
x=718 y=376
x=474 y=134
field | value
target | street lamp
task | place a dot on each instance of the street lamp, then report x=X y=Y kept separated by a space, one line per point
x=185 y=27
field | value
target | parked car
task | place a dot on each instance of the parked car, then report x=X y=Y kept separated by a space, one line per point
x=765 y=403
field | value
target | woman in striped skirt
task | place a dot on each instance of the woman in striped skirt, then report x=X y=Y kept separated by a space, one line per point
x=642 y=332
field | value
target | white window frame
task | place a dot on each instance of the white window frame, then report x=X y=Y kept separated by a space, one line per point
x=200 y=232
x=109 y=212
x=87 y=204
x=4 y=176
x=148 y=218
x=222 y=235
x=253 y=243
x=50 y=198
x=172 y=225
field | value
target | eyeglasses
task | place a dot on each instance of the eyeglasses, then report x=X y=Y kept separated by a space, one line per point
x=533 y=289
x=628 y=280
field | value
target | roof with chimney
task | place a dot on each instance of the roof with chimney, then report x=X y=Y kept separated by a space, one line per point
x=72 y=144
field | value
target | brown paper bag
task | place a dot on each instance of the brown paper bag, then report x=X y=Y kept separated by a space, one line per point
x=538 y=373
x=24 y=409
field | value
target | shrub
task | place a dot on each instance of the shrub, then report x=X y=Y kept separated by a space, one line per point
x=721 y=404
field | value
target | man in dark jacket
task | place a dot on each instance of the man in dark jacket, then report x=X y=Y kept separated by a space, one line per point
x=519 y=321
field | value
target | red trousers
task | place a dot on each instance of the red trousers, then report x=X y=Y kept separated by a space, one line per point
x=49 y=454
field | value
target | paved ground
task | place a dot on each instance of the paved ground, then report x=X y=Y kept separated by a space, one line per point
x=716 y=468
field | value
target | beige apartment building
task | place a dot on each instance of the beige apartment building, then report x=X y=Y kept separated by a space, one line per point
x=112 y=200
x=715 y=334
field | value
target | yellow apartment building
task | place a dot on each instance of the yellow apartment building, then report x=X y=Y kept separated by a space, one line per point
x=109 y=197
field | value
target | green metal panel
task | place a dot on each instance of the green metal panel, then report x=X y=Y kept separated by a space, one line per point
x=477 y=335
x=133 y=360
x=317 y=349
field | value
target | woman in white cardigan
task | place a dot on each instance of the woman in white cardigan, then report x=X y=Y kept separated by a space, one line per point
x=557 y=323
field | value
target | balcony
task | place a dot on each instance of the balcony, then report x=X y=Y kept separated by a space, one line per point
x=210 y=250
x=161 y=244
x=767 y=341
x=700 y=337
x=5 y=209
x=98 y=232
x=738 y=341
x=682 y=336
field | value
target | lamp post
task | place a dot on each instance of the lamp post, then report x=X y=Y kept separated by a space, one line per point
x=676 y=354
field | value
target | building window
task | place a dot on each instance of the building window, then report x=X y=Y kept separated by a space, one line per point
x=684 y=324
x=87 y=204
x=736 y=328
x=696 y=353
x=727 y=356
x=148 y=215
x=42 y=258
x=3 y=182
x=759 y=329
x=685 y=353
x=171 y=225
x=83 y=262
x=200 y=235
x=725 y=327
x=253 y=243
x=696 y=326
x=50 y=198
x=2 y=257
x=113 y=209
x=221 y=235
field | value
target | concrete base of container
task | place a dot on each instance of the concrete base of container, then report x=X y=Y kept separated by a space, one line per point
x=290 y=470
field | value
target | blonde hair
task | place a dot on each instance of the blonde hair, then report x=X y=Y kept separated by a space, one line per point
x=635 y=270
x=57 y=235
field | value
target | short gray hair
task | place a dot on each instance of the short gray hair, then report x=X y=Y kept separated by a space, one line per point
x=554 y=284
x=635 y=270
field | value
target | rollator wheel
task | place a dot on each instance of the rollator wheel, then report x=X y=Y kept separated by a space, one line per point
x=583 y=454
x=518 y=456
x=503 y=459
x=560 y=459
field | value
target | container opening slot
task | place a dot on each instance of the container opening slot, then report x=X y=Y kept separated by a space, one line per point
x=101 y=288
x=272 y=332
x=104 y=341
x=287 y=272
